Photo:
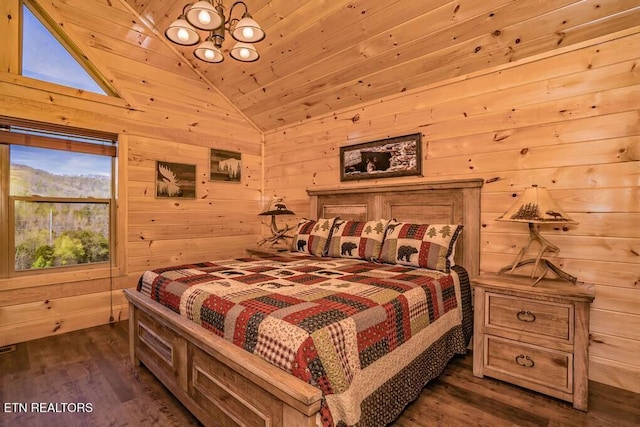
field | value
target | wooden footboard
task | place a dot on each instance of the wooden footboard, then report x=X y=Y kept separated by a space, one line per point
x=221 y=384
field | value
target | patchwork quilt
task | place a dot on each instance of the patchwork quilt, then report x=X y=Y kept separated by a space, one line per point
x=344 y=325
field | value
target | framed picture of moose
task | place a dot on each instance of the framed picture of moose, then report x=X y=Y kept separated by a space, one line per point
x=175 y=180
x=398 y=156
x=225 y=166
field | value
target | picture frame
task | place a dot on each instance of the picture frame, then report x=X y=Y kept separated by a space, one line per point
x=175 y=180
x=384 y=158
x=225 y=166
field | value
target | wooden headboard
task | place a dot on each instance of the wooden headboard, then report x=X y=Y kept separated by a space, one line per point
x=443 y=202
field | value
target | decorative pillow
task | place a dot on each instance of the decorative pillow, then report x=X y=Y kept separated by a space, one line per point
x=420 y=245
x=357 y=239
x=313 y=236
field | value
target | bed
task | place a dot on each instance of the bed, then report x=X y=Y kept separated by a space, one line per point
x=247 y=342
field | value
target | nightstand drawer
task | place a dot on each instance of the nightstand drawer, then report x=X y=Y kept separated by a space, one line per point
x=530 y=316
x=529 y=366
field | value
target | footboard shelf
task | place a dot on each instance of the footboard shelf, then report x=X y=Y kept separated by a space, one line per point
x=220 y=383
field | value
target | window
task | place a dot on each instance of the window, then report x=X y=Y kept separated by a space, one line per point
x=59 y=198
x=48 y=55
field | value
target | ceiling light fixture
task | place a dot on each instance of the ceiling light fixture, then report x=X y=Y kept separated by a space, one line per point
x=203 y=15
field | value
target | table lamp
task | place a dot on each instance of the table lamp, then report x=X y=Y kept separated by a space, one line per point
x=536 y=207
x=276 y=207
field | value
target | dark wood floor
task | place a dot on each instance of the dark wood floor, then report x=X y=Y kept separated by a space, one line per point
x=92 y=367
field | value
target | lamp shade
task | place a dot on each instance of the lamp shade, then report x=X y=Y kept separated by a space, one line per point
x=208 y=52
x=244 y=52
x=203 y=16
x=180 y=32
x=536 y=205
x=277 y=206
x=247 y=30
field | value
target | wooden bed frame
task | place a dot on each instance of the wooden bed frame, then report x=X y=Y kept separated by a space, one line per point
x=222 y=384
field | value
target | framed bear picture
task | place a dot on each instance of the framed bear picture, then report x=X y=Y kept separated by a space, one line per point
x=398 y=156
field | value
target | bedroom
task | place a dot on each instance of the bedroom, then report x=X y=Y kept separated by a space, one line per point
x=560 y=111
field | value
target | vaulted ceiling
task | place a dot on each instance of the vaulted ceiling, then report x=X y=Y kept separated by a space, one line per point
x=321 y=56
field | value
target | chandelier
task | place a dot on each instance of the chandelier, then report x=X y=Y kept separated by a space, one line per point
x=203 y=15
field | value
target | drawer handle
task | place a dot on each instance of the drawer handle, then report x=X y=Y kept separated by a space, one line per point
x=525 y=361
x=526 y=316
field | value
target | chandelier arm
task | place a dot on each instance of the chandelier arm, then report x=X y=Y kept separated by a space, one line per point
x=184 y=9
x=246 y=9
x=231 y=22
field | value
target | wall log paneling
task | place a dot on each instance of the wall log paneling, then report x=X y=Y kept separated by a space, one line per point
x=9 y=27
x=567 y=120
x=145 y=255
x=165 y=114
x=32 y=320
x=444 y=103
x=22 y=291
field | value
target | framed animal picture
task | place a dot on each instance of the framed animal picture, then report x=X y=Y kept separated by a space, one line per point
x=398 y=156
x=175 y=180
x=225 y=166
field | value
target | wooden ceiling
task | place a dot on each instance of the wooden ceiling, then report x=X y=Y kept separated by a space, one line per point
x=322 y=56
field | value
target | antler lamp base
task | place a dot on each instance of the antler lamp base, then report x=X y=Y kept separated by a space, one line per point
x=278 y=237
x=539 y=263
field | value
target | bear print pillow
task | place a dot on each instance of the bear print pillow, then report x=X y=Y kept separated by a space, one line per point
x=420 y=245
x=357 y=239
x=313 y=236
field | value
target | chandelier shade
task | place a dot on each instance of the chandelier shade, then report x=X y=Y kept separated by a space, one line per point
x=244 y=52
x=204 y=16
x=208 y=52
x=180 y=32
x=247 y=30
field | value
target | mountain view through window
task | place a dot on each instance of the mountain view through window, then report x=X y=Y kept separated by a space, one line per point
x=61 y=207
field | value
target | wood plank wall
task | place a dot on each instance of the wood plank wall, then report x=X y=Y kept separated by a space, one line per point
x=568 y=121
x=165 y=114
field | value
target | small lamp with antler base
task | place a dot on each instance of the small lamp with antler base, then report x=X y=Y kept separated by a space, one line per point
x=536 y=207
x=278 y=237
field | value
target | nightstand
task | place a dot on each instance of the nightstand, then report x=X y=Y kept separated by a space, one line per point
x=535 y=337
x=258 y=251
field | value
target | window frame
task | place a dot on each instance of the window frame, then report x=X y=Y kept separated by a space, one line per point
x=4 y=208
x=56 y=274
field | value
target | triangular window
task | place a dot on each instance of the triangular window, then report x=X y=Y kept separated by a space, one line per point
x=45 y=57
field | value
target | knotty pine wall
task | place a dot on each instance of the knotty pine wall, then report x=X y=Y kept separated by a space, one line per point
x=162 y=115
x=568 y=121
